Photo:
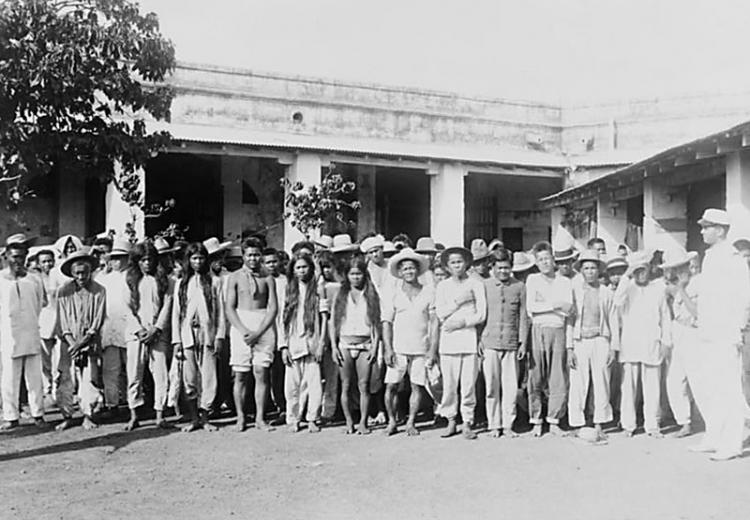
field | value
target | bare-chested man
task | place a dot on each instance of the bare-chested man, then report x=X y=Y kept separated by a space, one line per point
x=251 y=309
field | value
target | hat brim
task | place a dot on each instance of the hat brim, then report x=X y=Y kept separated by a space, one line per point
x=115 y=253
x=423 y=263
x=481 y=257
x=67 y=265
x=571 y=256
x=618 y=265
x=578 y=263
x=447 y=252
x=344 y=249
x=521 y=268
x=705 y=223
x=691 y=255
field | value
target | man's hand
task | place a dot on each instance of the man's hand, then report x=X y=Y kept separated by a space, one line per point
x=572 y=359
x=219 y=345
x=564 y=307
x=480 y=349
x=452 y=324
x=465 y=297
x=372 y=354
x=179 y=352
x=432 y=358
x=250 y=338
x=338 y=356
x=76 y=348
x=611 y=357
x=521 y=354
x=150 y=336
x=389 y=356
x=286 y=357
x=318 y=353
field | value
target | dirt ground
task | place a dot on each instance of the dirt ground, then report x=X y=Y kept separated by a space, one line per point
x=151 y=473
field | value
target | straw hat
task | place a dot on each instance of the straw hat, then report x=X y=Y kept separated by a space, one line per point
x=82 y=255
x=426 y=245
x=714 y=217
x=343 y=243
x=370 y=243
x=120 y=247
x=617 y=261
x=640 y=260
x=677 y=257
x=18 y=239
x=589 y=255
x=423 y=263
x=389 y=248
x=324 y=242
x=495 y=243
x=456 y=250
x=213 y=246
x=479 y=249
x=521 y=262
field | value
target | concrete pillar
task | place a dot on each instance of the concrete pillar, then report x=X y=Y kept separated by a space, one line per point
x=118 y=213
x=305 y=168
x=738 y=185
x=72 y=208
x=611 y=223
x=366 y=190
x=556 y=216
x=447 y=204
x=664 y=216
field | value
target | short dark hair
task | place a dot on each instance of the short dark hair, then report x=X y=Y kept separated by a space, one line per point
x=593 y=241
x=270 y=251
x=103 y=241
x=45 y=252
x=403 y=237
x=541 y=246
x=502 y=255
x=17 y=246
x=252 y=242
x=303 y=244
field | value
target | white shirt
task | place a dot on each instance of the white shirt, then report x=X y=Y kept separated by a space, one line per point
x=410 y=318
x=21 y=301
x=113 y=330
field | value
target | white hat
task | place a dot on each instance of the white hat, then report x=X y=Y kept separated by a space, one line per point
x=676 y=257
x=213 y=246
x=324 y=241
x=423 y=263
x=342 y=243
x=589 y=255
x=120 y=247
x=371 y=243
x=426 y=245
x=714 y=217
x=522 y=262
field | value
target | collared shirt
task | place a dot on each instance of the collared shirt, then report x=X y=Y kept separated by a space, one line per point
x=542 y=293
x=645 y=320
x=81 y=310
x=115 y=322
x=590 y=312
x=507 y=320
x=21 y=302
x=472 y=310
x=723 y=295
x=410 y=318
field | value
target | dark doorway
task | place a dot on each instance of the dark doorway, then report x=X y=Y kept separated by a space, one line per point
x=513 y=238
x=194 y=182
x=95 y=192
x=710 y=193
x=402 y=202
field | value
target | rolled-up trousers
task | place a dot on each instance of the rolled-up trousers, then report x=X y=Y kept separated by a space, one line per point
x=89 y=396
x=500 y=369
x=459 y=370
x=591 y=356
x=650 y=382
x=138 y=356
x=548 y=374
x=199 y=375
x=12 y=368
x=678 y=387
x=303 y=387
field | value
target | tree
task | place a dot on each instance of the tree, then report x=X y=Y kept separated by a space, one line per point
x=311 y=207
x=78 y=78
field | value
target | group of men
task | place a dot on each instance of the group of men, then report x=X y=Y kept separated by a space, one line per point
x=580 y=331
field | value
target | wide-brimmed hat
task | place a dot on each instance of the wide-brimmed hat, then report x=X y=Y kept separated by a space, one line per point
x=423 y=263
x=426 y=245
x=522 y=262
x=390 y=249
x=589 y=255
x=495 y=243
x=479 y=250
x=18 y=239
x=616 y=262
x=343 y=243
x=455 y=250
x=82 y=255
x=640 y=260
x=676 y=257
x=213 y=246
x=714 y=217
x=324 y=242
x=563 y=255
x=120 y=247
x=370 y=243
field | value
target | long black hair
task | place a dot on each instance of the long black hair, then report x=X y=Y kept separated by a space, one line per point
x=134 y=275
x=369 y=291
x=204 y=277
x=311 y=303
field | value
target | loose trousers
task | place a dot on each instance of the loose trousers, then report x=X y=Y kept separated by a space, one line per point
x=89 y=396
x=678 y=389
x=459 y=369
x=199 y=376
x=500 y=369
x=10 y=385
x=746 y=365
x=48 y=353
x=138 y=356
x=650 y=381
x=725 y=414
x=591 y=356
x=548 y=374
x=303 y=386
x=114 y=361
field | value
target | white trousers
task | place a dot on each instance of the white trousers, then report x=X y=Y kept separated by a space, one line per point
x=725 y=413
x=10 y=383
x=114 y=361
x=459 y=369
x=303 y=386
x=500 y=369
x=649 y=376
x=89 y=395
x=678 y=389
x=591 y=355
x=138 y=355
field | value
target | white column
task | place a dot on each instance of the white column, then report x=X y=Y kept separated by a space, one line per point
x=305 y=168
x=447 y=204
x=738 y=186
x=611 y=223
x=664 y=216
x=119 y=213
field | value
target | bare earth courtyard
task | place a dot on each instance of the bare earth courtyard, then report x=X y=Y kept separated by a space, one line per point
x=152 y=473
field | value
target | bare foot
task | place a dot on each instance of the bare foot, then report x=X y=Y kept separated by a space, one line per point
x=208 y=427
x=362 y=429
x=163 y=424
x=685 y=431
x=508 y=432
x=64 y=425
x=655 y=434
x=40 y=423
x=349 y=430
x=496 y=433
x=312 y=427
x=263 y=426
x=190 y=427
x=294 y=427
x=391 y=429
x=132 y=425
x=537 y=431
x=411 y=430
x=467 y=432
x=88 y=423
x=240 y=426
x=380 y=419
x=556 y=430
x=629 y=433
x=450 y=431
x=8 y=425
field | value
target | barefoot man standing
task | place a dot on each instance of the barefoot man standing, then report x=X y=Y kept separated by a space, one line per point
x=251 y=309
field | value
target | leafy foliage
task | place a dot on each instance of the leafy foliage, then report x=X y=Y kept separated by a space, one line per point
x=310 y=207
x=79 y=77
